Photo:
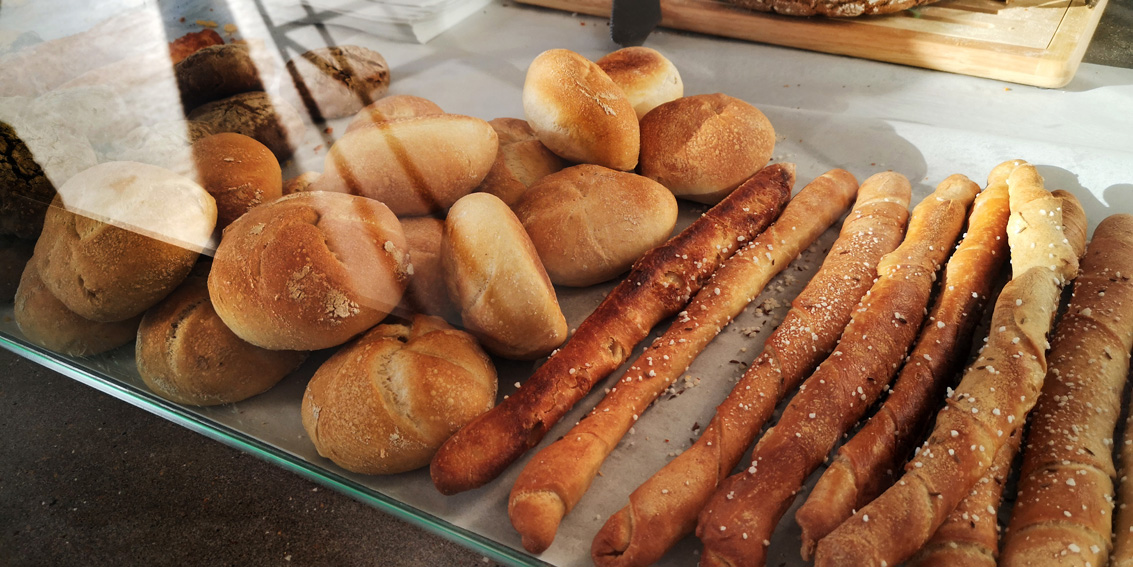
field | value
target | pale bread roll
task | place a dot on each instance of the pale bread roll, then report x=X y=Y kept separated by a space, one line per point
x=338 y=81
x=521 y=161
x=384 y=403
x=309 y=271
x=578 y=112
x=427 y=292
x=494 y=275
x=702 y=147
x=391 y=108
x=239 y=172
x=590 y=223
x=648 y=78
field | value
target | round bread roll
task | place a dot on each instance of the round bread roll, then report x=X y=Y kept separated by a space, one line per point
x=338 y=81
x=495 y=277
x=702 y=147
x=384 y=403
x=14 y=255
x=578 y=112
x=239 y=172
x=416 y=166
x=45 y=321
x=648 y=78
x=427 y=292
x=521 y=161
x=271 y=121
x=121 y=236
x=393 y=107
x=590 y=223
x=186 y=354
x=309 y=271
x=220 y=71
x=300 y=183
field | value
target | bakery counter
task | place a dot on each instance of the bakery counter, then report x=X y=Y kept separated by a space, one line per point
x=97 y=469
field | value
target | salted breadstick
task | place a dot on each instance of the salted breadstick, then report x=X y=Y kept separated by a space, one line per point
x=557 y=477
x=992 y=400
x=664 y=508
x=742 y=514
x=869 y=462
x=658 y=286
x=1066 y=485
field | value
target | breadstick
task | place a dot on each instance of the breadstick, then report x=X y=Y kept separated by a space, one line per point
x=658 y=286
x=744 y=511
x=663 y=509
x=557 y=477
x=992 y=400
x=1066 y=491
x=867 y=464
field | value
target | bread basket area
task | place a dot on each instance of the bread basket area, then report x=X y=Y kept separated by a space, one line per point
x=828 y=112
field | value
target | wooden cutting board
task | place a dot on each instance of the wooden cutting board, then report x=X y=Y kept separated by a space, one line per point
x=1033 y=42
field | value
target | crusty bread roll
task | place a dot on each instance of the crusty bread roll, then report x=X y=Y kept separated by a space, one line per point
x=272 y=121
x=309 y=271
x=416 y=166
x=702 y=147
x=186 y=354
x=648 y=78
x=578 y=112
x=393 y=107
x=521 y=161
x=590 y=223
x=427 y=292
x=238 y=172
x=338 y=81
x=300 y=183
x=220 y=71
x=384 y=403
x=495 y=277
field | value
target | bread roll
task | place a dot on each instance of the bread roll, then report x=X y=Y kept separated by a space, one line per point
x=186 y=354
x=271 y=121
x=578 y=112
x=427 y=292
x=393 y=107
x=590 y=223
x=521 y=161
x=647 y=77
x=300 y=183
x=702 y=147
x=338 y=81
x=309 y=271
x=384 y=403
x=14 y=255
x=239 y=172
x=220 y=71
x=495 y=276
x=416 y=166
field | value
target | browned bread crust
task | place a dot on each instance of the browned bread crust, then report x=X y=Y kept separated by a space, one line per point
x=832 y=8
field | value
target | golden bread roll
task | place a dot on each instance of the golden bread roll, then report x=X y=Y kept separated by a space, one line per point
x=271 y=121
x=416 y=166
x=309 y=271
x=427 y=292
x=238 y=172
x=385 y=402
x=521 y=161
x=590 y=223
x=648 y=78
x=220 y=71
x=578 y=112
x=702 y=147
x=186 y=354
x=338 y=81
x=300 y=183
x=495 y=277
x=393 y=107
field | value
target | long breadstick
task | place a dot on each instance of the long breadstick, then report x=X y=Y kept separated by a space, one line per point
x=658 y=286
x=1065 y=501
x=664 y=508
x=557 y=477
x=993 y=398
x=868 y=463
x=744 y=511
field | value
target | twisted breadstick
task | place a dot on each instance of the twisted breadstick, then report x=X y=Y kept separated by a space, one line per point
x=664 y=508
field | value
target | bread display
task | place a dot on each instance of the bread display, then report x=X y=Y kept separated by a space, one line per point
x=186 y=354
x=701 y=147
x=416 y=166
x=338 y=81
x=427 y=291
x=219 y=71
x=578 y=112
x=646 y=76
x=394 y=107
x=521 y=161
x=239 y=172
x=270 y=120
x=309 y=271
x=590 y=223
x=383 y=403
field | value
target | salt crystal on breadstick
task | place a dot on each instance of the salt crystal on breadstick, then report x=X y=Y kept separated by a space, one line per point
x=992 y=399
x=870 y=461
x=1066 y=485
x=744 y=511
x=658 y=286
x=664 y=508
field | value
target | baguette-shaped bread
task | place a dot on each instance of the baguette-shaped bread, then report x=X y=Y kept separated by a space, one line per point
x=993 y=398
x=868 y=463
x=664 y=508
x=658 y=286
x=745 y=509
x=558 y=476
x=1066 y=484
